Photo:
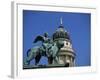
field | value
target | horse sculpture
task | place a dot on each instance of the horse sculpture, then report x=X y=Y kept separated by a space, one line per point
x=49 y=49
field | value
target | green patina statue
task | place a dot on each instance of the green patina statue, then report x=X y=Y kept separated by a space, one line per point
x=49 y=48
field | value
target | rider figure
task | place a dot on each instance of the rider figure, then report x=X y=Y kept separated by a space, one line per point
x=46 y=39
x=45 y=43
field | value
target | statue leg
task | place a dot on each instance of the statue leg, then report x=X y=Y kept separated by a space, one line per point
x=50 y=60
x=29 y=58
x=26 y=62
x=37 y=59
x=55 y=60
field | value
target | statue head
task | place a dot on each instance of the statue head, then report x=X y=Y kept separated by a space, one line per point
x=45 y=34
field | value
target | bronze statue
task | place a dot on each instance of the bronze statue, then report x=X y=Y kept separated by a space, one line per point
x=49 y=48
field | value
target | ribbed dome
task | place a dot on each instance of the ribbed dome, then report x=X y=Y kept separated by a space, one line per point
x=61 y=33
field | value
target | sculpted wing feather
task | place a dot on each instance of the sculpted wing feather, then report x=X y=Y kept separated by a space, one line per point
x=39 y=38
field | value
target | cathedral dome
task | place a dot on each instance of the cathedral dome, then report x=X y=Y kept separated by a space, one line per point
x=61 y=33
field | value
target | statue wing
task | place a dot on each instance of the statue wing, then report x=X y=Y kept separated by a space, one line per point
x=39 y=38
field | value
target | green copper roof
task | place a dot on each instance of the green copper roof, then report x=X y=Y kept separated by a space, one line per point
x=61 y=33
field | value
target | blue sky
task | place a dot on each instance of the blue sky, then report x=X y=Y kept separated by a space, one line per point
x=77 y=24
